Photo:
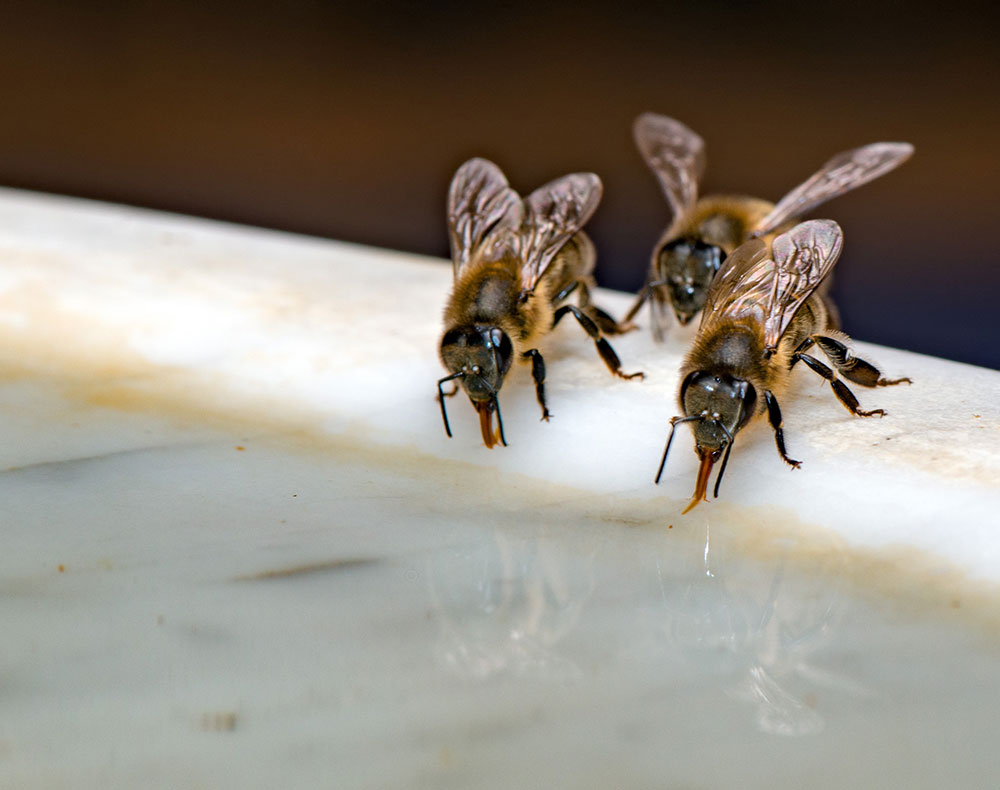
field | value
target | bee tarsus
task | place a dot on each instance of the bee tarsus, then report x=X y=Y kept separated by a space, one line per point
x=603 y=346
x=538 y=374
x=849 y=366
x=774 y=417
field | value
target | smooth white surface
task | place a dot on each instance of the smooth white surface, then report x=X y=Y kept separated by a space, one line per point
x=240 y=550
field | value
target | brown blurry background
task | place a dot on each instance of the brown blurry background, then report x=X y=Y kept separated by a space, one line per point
x=348 y=123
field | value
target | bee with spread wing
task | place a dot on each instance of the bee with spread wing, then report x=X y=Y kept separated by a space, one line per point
x=515 y=262
x=762 y=315
x=704 y=231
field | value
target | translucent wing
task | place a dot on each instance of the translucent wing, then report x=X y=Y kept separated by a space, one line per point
x=770 y=289
x=554 y=212
x=743 y=286
x=676 y=155
x=802 y=258
x=480 y=206
x=841 y=174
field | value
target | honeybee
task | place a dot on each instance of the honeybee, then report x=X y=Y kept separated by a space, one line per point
x=703 y=232
x=762 y=315
x=514 y=263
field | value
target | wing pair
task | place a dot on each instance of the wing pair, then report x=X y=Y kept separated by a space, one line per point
x=676 y=155
x=487 y=218
x=769 y=290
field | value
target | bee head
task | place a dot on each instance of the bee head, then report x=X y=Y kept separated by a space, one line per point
x=717 y=405
x=722 y=403
x=686 y=267
x=479 y=357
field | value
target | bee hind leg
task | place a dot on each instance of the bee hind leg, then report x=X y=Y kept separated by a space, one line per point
x=605 y=322
x=603 y=346
x=853 y=368
x=774 y=417
x=844 y=395
x=538 y=374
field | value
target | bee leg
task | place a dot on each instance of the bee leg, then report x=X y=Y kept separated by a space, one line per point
x=641 y=299
x=851 y=367
x=657 y=309
x=566 y=291
x=538 y=374
x=774 y=417
x=608 y=324
x=603 y=346
x=605 y=322
x=844 y=395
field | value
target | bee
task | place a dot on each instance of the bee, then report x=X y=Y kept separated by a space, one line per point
x=762 y=316
x=515 y=261
x=703 y=232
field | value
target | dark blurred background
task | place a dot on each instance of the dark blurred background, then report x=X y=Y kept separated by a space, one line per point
x=348 y=123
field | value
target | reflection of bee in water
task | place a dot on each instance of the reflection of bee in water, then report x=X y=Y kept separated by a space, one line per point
x=703 y=232
x=515 y=262
x=762 y=314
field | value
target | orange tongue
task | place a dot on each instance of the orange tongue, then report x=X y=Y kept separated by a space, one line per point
x=704 y=472
x=485 y=409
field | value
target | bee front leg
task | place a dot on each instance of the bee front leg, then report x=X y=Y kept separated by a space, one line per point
x=851 y=367
x=774 y=417
x=657 y=310
x=603 y=346
x=641 y=298
x=538 y=374
x=844 y=395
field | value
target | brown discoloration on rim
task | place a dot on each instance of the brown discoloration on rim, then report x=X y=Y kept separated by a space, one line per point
x=308 y=569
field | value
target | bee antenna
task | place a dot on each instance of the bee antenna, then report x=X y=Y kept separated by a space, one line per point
x=673 y=424
x=444 y=412
x=725 y=458
x=722 y=469
x=496 y=405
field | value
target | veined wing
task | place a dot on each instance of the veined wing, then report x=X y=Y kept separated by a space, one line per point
x=742 y=287
x=844 y=172
x=803 y=257
x=769 y=289
x=553 y=213
x=481 y=206
x=676 y=155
